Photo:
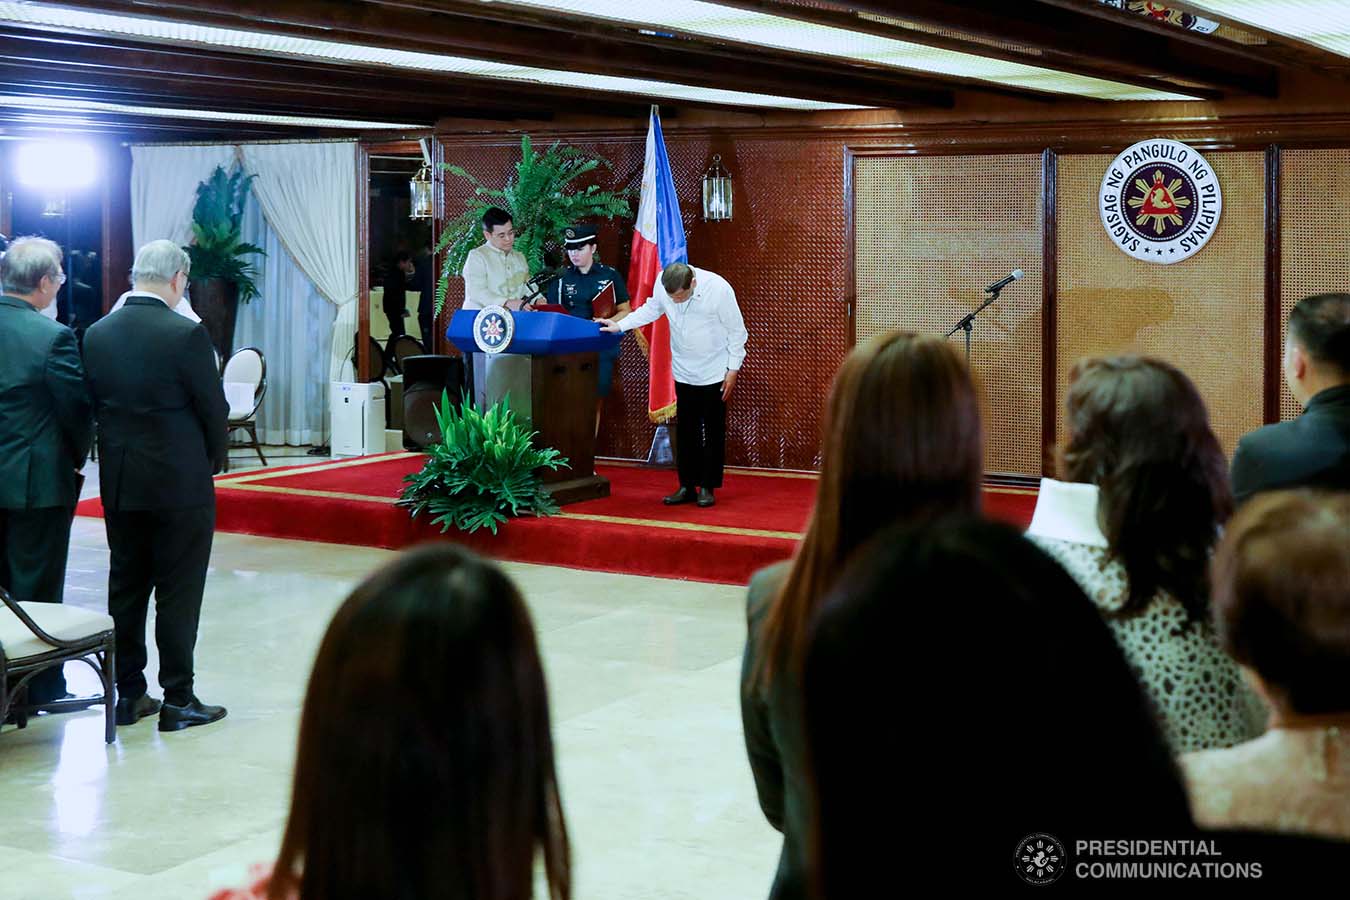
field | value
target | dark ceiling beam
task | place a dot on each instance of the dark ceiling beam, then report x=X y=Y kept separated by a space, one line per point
x=1070 y=39
x=55 y=79
x=187 y=73
x=120 y=123
x=514 y=35
x=177 y=62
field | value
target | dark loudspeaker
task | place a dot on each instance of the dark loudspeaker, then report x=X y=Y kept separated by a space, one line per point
x=424 y=378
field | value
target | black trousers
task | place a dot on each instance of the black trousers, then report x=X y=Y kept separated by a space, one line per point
x=700 y=434
x=167 y=551
x=396 y=326
x=33 y=547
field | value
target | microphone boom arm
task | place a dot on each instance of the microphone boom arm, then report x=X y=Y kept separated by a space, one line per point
x=968 y=320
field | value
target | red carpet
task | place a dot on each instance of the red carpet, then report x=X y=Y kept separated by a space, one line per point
x=758 y=519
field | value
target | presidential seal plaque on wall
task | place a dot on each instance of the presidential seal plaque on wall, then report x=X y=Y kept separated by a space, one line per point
x=1160 y=201
x=493 y=329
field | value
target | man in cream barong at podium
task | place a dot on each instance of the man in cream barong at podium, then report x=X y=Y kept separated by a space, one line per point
x=496 y=274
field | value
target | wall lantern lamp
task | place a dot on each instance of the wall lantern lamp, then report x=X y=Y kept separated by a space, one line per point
x=716 y=192
x=420 y=186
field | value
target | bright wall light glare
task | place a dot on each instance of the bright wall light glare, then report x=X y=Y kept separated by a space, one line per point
x=56 y=165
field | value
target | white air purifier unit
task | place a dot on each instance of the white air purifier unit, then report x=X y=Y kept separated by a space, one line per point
x=358 y=418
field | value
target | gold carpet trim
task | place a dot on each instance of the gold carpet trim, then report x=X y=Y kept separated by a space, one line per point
x=305 y=492
x=791 y=473
x=264 y=475
x=682 y=526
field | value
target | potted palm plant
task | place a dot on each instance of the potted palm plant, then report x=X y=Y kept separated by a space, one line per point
x=221 y=275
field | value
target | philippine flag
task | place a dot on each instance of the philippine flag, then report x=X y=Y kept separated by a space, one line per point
x=658 y=241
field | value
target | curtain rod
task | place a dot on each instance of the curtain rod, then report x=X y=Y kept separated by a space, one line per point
x=238 y=143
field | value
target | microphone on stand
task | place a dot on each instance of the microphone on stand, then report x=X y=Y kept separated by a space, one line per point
x=967 y=321
x=546 y=276
x=1000 y=285
x=538 y=281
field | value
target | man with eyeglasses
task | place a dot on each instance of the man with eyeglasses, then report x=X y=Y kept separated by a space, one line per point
x=495 y=273
x=162 y=424
x=45 y=431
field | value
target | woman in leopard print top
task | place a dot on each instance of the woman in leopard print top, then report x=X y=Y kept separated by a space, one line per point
x=1135 y=521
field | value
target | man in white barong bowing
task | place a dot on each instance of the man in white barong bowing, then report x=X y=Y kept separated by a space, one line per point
x=707 y=347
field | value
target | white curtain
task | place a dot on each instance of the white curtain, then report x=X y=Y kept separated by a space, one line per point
x=291 y=322
x=308 y=194
x=164 y=186
x=163 y=190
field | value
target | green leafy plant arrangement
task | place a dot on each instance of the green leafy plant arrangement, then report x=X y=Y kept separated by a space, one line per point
x=481 y=472
x=217 y=249
x=542 y=200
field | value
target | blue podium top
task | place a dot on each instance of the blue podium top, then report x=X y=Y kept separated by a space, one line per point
x=536 y=334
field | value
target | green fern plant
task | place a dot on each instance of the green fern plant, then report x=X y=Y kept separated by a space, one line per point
x=542 y=199
x=482 y=471
x=217 y=249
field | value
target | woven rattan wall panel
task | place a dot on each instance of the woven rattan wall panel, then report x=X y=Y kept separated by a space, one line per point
x=930 y=233
x=783 y=253
x=1314 y=226
x=1204 y=315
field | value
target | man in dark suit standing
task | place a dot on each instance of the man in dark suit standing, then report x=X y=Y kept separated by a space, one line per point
x=161 y=415
x=395 y=301
x=1314 y=449
x=45 y=430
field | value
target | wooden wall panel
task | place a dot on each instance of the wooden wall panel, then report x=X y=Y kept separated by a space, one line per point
x=1205 y=315
x=930 y=233
x=1314 y=234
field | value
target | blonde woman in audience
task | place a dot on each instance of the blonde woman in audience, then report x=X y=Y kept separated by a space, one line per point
x=1282 y=602
x=902 y=442
x=1134 y=521
x=425 y=766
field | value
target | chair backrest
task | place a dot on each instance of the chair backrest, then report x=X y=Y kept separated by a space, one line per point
x=379 y=362
x=404 y=346
x=247 y=365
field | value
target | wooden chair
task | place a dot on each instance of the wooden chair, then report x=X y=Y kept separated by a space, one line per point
x=380 y=364
x=401 y=347
x=39 y=636
x=247 y=366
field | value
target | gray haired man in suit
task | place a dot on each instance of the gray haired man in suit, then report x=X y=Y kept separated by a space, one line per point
x=45 y=430
x=162 y=417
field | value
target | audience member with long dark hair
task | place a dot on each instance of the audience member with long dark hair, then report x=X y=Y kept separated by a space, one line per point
x=425 y=766
x=1135 y=520
x=961 y=695
x=902 y=440
x=1033 y=721
x=1282 y=603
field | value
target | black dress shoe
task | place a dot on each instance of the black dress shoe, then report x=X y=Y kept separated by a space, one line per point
x=705 y=497
x=683 y=495
x=130 y=711
x=176 y=718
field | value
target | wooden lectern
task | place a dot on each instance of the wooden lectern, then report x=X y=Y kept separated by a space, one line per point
x=548 y=366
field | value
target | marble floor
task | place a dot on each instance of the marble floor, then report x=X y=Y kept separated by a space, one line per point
x=643 y=681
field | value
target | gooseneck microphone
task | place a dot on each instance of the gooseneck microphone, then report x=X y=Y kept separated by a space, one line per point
x=1000 y=285
x=547 y=275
